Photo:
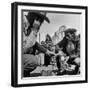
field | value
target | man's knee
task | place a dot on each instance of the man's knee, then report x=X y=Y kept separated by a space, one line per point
x=30 y=62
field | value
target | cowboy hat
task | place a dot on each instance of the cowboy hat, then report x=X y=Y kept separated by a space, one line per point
x=70 y=30
x=41 y=15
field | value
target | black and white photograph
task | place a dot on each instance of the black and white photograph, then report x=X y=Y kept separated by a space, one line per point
x=50 y=44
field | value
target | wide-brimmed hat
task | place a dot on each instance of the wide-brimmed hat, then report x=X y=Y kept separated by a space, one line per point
x=41 y=15
x=70 y=30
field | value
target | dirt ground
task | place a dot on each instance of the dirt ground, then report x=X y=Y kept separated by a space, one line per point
x=44 y=71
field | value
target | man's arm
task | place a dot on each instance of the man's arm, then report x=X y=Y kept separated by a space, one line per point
x=40 y=48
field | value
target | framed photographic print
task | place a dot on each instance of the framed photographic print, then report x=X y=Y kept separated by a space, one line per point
x=49 y=44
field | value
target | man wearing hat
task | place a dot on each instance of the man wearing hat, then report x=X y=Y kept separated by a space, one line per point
x=69 y=37
x=68 y=45
x=30 y=45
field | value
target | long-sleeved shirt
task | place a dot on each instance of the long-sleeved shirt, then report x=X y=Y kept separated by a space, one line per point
x=32 y=50
x=67 y=46
x=30 y=45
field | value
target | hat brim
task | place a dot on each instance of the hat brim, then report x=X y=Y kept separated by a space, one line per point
x=70 y=31
x=40 y=16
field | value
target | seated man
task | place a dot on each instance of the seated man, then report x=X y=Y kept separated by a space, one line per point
x=68 y=45
x=30 y=45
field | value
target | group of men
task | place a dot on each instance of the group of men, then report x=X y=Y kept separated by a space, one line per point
x=67 y=52
x=32 y=24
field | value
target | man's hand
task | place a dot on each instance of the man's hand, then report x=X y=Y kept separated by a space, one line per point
x=50 y=53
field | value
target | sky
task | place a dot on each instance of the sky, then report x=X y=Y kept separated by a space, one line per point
x=57 y=20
